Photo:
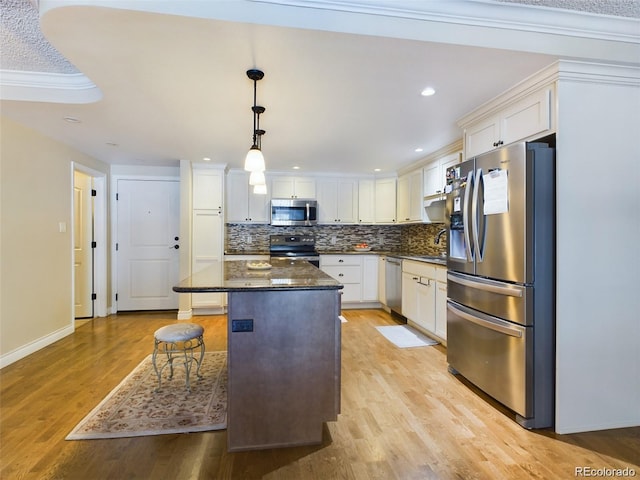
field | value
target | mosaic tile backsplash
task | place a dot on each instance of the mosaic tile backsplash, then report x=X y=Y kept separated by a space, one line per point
x=418 y=239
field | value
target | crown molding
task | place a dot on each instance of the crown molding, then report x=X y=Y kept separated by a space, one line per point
x=485 y=13
x=47 y=87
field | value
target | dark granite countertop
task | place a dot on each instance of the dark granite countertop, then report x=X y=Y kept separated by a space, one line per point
x=284 y=275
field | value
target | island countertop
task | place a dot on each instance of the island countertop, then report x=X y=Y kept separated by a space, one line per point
x=287 y=274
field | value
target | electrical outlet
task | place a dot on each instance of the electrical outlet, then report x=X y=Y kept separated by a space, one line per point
x=381 y=240
x=249 y=239
x=242 y=325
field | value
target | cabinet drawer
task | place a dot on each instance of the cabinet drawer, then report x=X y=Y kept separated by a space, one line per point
x=339 y=260
x=419 y=269
x=344 y=274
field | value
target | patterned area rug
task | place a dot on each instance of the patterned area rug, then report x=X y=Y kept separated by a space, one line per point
x=134 y=409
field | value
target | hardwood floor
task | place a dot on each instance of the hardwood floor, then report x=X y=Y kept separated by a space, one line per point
x=403 y=417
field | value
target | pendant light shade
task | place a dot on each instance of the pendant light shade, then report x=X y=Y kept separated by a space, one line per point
x=257 y=178
x=260 y=189
x=254 y=162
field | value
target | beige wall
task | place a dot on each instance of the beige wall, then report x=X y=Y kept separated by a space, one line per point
x=35 y=258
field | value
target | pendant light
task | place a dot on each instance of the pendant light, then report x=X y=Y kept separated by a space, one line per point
x=255 y=160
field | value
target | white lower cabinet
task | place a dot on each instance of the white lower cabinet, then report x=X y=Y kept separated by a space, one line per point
x=424 y=296
x=358 y=274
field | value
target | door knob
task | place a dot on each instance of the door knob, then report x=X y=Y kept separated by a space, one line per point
x=176 y=247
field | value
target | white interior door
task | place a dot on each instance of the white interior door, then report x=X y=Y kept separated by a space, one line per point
x=147 y=244
x=82 y=250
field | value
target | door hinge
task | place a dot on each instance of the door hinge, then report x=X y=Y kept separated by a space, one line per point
x=116 y=297
x=94 y=244
x=117 y=197
x=94 y=296
x=93 y=192
x=116 y=247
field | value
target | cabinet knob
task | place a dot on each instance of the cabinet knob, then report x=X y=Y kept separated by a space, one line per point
x=341 y=275
x=340 y=261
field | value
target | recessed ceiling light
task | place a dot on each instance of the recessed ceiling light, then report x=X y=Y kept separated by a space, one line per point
x=72 y=120
x=427 y=92
x=206 y=159
x=418 y=150
x=377 y=169
x=296 y=168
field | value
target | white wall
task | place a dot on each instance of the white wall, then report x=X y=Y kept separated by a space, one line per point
x=598 y=264
x=36 y=258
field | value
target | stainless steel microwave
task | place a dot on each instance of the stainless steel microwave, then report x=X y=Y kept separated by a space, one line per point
x=294 y=211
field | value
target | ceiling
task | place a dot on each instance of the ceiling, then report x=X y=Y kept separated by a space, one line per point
x=150 y=83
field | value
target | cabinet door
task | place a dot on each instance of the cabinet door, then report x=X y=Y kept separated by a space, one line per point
x=293 y=187
x=366 y=201
x=432 y=181
x=527 y=117
x=237 y=204
x=207 y=253
x=207 y=188
x=441 y=310
x=415 y=196
x=370 y=278
x=403 y=196
x=327 y=196
x=258 y=207
x=385 y=204
x=382 y=280
x=347 y=201
x=426 y=293
x=282 y=187
x=305 y=187
x=479 y=138
x=410 y=296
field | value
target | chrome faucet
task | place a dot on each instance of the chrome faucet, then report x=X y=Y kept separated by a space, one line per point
x=440 y=233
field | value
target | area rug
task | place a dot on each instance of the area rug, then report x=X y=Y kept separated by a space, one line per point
x=135 y=409
x=403 y=336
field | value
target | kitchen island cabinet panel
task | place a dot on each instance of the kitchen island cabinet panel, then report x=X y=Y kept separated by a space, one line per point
x=286 y=372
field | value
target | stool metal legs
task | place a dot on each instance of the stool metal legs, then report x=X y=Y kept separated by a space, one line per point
x=178 y=350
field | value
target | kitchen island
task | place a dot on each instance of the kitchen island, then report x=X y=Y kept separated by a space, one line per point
x=283 y=351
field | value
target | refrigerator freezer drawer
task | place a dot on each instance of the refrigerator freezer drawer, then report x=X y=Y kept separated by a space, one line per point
x=492 y=354
x=500 y=299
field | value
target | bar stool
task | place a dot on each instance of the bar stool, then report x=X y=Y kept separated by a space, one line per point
x=178 y=341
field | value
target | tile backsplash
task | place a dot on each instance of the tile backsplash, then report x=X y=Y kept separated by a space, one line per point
x=413 y=238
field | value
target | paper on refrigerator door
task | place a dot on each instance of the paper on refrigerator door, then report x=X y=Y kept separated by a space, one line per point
x=496 y=193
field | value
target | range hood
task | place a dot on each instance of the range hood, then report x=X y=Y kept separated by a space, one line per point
x=434 y=210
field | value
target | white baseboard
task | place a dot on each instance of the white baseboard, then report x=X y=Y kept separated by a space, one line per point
x=32 y=347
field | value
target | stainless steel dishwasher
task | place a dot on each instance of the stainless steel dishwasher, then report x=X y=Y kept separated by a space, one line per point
x=393 y=284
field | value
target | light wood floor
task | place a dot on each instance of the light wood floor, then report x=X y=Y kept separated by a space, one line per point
x=403 y=417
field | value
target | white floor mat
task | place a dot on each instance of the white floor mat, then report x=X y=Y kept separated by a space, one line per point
x=404 y=336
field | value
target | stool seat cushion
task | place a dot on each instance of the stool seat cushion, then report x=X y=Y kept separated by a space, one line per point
x=179 y=332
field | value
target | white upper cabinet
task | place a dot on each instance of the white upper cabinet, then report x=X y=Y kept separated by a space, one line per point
x=530 y=115
x=366 y=201
x=242 y=205
x=410 y=197
x=337 y=200
x=435 y=174
x=207 y=188
x=293 y=187
x=385 y=200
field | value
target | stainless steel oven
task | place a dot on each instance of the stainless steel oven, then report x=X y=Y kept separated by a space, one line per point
x=301 y=247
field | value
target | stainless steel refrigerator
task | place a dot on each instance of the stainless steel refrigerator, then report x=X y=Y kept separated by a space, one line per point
x=501 y=277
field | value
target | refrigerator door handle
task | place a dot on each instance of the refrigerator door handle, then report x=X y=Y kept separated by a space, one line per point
x=500 y=327
x=502 y=289
x=476 y=214
x=465 y=216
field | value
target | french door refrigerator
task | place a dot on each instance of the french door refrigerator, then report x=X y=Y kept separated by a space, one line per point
x=501 y=277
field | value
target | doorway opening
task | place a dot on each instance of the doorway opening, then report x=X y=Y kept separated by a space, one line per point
x=89 y=242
